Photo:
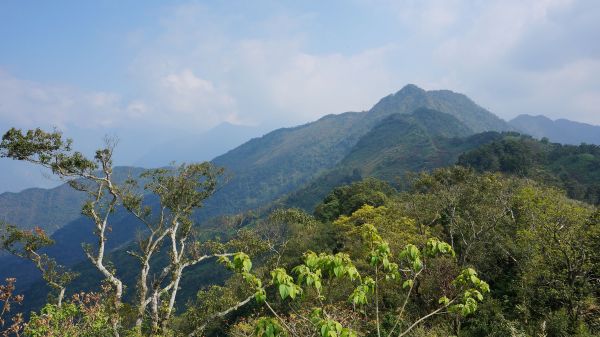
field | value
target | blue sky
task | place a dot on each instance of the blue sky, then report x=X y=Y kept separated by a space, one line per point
x=148 y=70
x=170 y=65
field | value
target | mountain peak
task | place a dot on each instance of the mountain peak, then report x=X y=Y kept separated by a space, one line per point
x=410 y=89
x=411 y=98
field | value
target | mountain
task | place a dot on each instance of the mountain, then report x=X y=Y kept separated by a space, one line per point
x=67 y=249
x=458 y=105
x=199 y=147
x=561 y=131
x=58 y=212
x=401 y=143
x=268 y=167
x=49 y=209
x=404 y=142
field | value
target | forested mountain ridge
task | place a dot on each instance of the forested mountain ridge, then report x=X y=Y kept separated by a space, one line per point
x=423 y=140
x=458 y=105
x=285 y=159
x=400 y=136
x=560 y=131
x=271 y=166
x=49 y=209
x=573 y=168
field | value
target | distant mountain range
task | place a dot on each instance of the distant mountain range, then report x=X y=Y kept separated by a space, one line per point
x=561 y=131
x=139 y=150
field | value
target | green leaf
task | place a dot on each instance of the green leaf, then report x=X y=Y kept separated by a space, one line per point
x=283 y=291
x=247 y=264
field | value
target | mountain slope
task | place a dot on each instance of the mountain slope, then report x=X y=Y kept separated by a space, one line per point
x=199 y=147
x=266 y=168
x=458 y=105
x=68 y=249
x=573 y=168
x=401 y=143
x=561 y=131
x=49 y=209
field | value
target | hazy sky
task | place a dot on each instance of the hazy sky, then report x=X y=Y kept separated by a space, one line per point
x=155 y=67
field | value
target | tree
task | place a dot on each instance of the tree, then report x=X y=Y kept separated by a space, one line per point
x=12 y=326
x=559 y=238
x=93 y=176
x=169 y=223
x=344 y=200
x=319 y=274
x=27 y=244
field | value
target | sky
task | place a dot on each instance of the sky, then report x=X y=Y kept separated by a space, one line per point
x=147 y=70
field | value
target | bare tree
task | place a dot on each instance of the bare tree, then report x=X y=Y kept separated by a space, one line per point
x=93 y=176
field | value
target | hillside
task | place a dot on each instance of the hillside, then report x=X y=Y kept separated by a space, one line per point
x=404 y=142
x=67 y=249
x=573 y=168
x=196 y=147
x=561 y=131
x=401 y=143
x=458 y=105
x=267 y=168
x=49 y=209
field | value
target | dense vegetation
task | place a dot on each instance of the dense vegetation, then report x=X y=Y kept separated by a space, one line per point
x=401 y=143
x=456 y=253
x=575 y=169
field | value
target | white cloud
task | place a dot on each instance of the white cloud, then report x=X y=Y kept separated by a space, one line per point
x=196 y=66
x=195 y=99
x=26 y=103
x=494 y=51
x=513 y=56
x=203 y=67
